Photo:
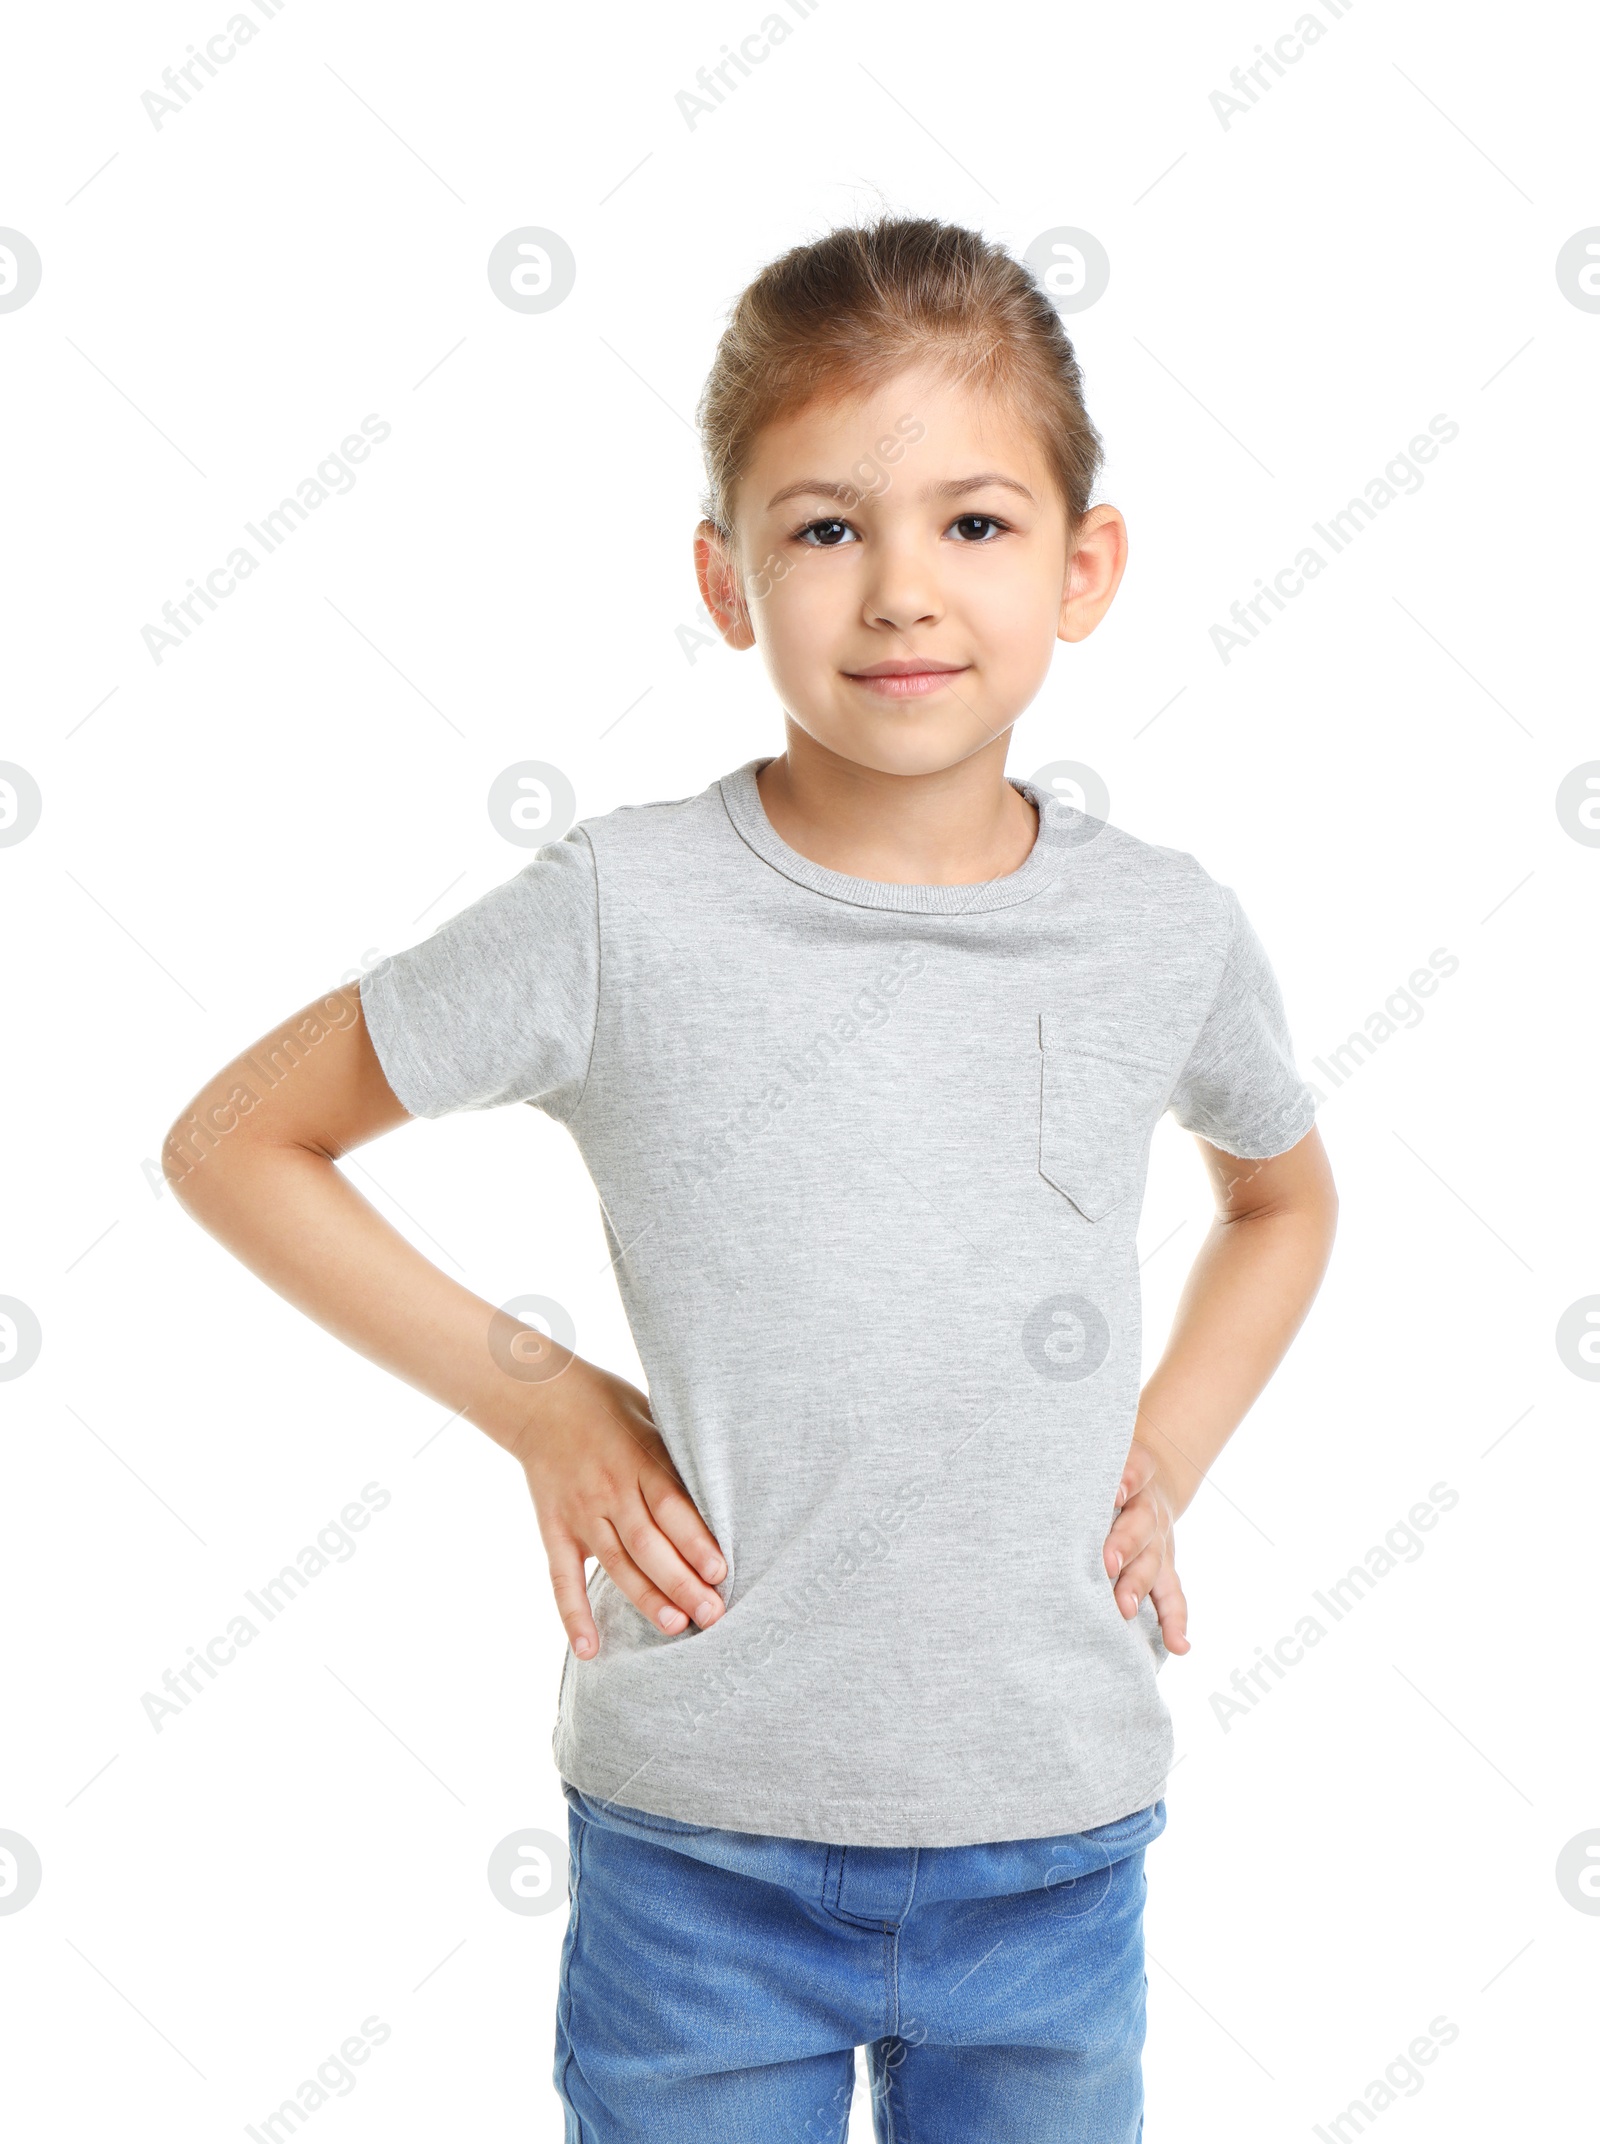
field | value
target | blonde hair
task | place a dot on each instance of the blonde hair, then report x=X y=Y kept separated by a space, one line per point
x=847 y=312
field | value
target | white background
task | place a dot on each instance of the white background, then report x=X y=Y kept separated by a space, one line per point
x=230 y=831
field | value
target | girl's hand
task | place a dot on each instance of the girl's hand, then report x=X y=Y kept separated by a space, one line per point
x=603 y=1485
x=1138 y=1551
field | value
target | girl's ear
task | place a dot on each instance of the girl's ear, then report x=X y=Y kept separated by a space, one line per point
x=1094 y=572
x=721 y=588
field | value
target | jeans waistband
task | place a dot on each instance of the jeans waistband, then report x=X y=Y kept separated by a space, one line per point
x=878 y=1884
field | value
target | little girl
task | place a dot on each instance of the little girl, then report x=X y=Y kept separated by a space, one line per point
x=863 y=1045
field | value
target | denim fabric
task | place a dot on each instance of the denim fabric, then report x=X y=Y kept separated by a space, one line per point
x=715 y=1985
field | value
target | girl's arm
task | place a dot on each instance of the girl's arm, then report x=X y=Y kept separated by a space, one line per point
x=1251 y=1284
x=259 y=1172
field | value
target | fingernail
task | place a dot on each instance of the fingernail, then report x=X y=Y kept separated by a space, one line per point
x=708 y=1609
x=1116 y=1565
x=668 y=1618
x=583 y=1645
x=716 y=1571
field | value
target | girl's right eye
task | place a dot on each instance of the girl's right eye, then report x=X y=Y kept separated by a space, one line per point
x=824 y=535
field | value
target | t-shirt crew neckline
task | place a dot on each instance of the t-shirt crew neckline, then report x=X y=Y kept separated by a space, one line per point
x=749 y=815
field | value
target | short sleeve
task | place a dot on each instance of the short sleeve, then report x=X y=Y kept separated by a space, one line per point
x=1240 y=1089
x=499 y=1005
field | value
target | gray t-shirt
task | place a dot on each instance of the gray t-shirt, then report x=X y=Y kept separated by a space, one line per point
x=870 y=1159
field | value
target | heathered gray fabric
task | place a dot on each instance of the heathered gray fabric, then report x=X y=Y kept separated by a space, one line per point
x=870 y=1159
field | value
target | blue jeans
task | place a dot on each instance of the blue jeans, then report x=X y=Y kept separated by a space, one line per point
x=715 y=1985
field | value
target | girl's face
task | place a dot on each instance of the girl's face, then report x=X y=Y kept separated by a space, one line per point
x=901 y=559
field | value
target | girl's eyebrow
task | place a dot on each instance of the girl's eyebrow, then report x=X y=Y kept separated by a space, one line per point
x=817 y=486
x=957 y=485
x=953 y=488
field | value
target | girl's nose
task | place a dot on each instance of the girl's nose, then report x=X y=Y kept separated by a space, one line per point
x=903 y=590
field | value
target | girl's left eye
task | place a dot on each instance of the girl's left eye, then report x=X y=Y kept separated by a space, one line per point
x=973 y=525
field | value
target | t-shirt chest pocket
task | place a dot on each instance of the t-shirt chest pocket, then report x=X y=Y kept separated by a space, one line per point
x=1099 y=1102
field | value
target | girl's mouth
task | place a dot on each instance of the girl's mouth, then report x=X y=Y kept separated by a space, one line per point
x=905 y=680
